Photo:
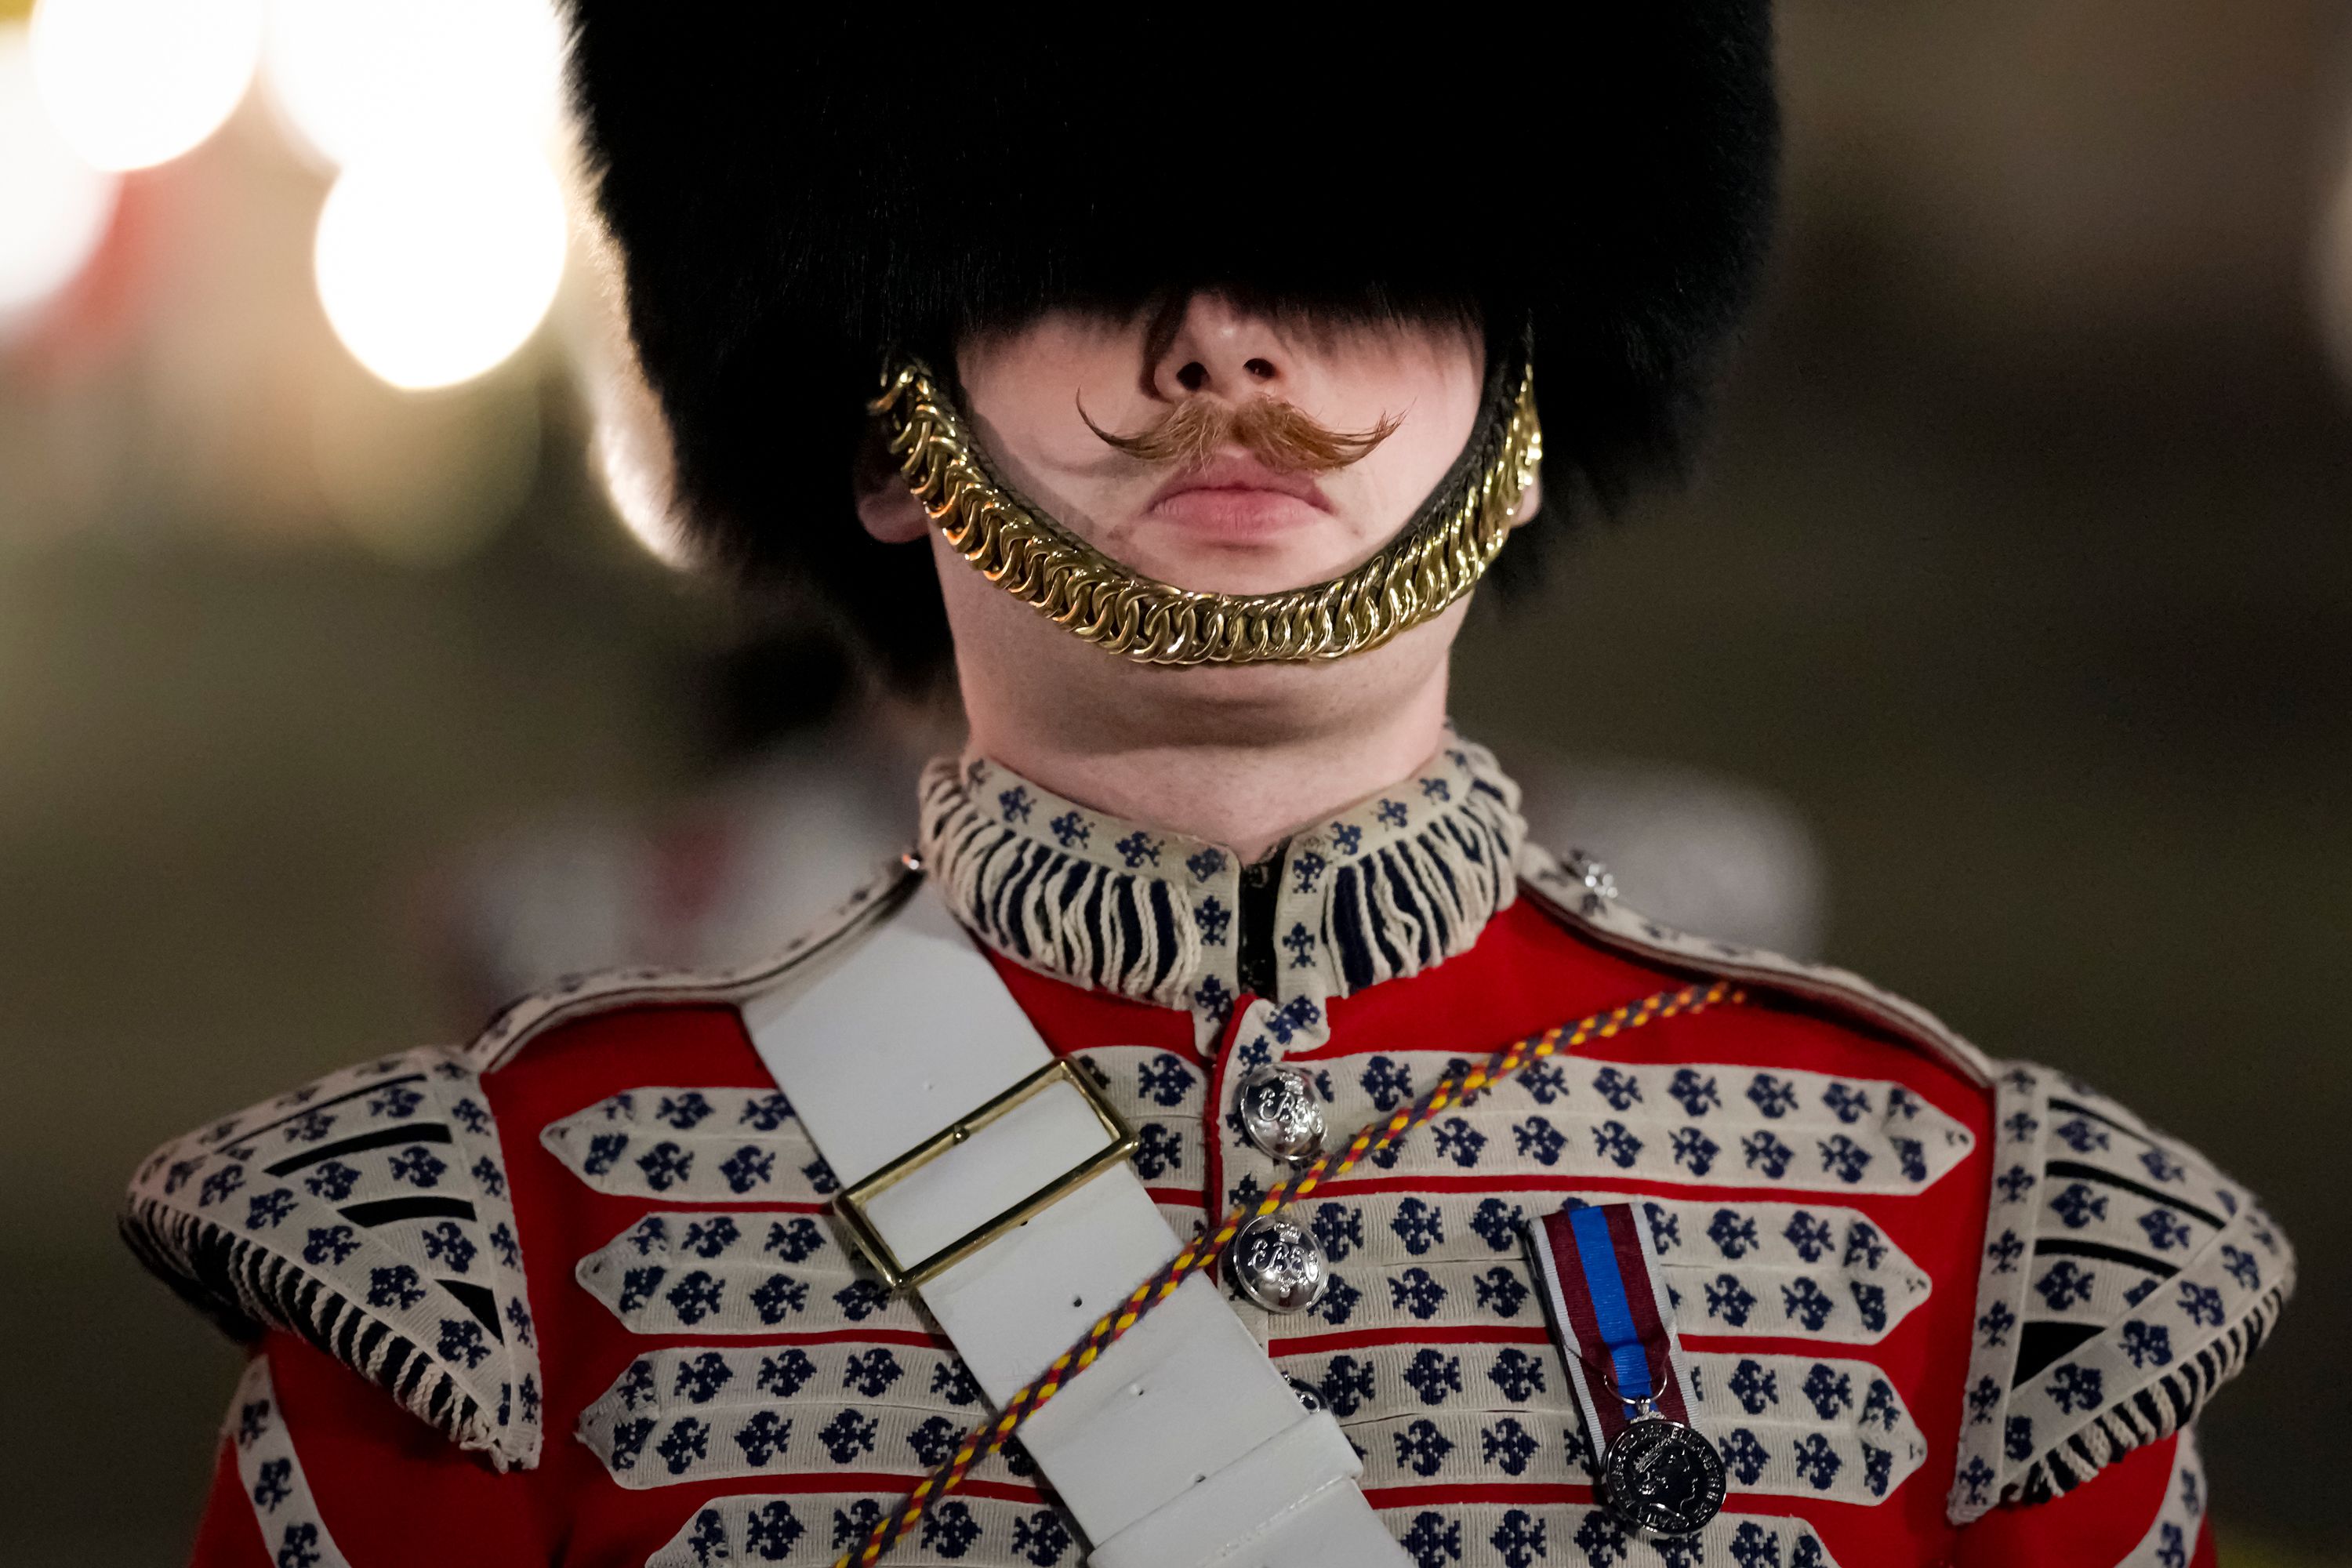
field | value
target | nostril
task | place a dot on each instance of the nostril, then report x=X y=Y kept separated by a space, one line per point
x=1193 y=376
x=1262 y=368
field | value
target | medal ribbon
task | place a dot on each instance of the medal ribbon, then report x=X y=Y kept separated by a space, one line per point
x=1615 y=1318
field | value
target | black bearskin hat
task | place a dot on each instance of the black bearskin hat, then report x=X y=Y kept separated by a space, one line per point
x=789 y=197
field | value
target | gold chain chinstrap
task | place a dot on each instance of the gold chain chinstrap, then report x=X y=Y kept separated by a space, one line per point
x=1437 y=559
x=1203 y=1251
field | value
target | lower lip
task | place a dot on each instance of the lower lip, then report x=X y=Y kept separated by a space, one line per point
x=1237 y=513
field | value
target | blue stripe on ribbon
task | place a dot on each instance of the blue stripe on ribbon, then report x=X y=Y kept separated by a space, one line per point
x=1612 y=1313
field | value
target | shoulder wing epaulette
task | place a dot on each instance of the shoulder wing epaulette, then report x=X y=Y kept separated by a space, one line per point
x=368 y=1212
x=2123 y=1280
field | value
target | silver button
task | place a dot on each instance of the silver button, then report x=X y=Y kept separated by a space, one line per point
x=1278 y=1264
x=1279 y=1114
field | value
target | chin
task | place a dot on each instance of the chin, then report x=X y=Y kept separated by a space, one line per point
x=1125 y=704
x=1223 y=574
x=1275 y=565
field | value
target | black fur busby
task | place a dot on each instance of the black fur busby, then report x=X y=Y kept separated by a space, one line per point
x=791 y=195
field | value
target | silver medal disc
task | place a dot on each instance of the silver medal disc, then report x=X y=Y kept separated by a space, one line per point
x=1663 y=1478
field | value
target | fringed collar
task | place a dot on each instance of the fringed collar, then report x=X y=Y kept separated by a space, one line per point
x=1404 y=878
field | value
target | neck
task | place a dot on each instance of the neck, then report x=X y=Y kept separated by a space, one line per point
x=1240 y=757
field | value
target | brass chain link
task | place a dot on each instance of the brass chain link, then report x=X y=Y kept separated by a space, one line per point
x=1435 y=561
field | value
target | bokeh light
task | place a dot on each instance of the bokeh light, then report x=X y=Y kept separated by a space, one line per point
x=56 y=206
x=356 y=79
x=134 y=82
x=441 y=245
x=433 y=270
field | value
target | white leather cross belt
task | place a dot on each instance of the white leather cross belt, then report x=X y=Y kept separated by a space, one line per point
x=1182 y=1445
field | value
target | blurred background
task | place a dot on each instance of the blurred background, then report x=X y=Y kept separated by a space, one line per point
x=2000 y=652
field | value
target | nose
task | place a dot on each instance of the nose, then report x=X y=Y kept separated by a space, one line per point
x=1218 y=349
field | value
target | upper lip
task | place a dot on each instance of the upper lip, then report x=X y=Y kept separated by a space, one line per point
x=1241 y=473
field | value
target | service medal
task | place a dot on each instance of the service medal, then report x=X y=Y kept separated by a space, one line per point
x=1614 y=1320
x=1663 y=1478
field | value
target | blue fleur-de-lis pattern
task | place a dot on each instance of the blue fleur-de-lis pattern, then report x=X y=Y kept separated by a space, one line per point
x=1795 y=1131
x=292 y=1530
x=1573 y=1535
x=386 y=1185
x=733 y=1404
x=1384 y=889
x=756 y=1272
x=691 y=1144
x=710 y=1140
x=1448 y=1376
x=1773 y=1269
x=1269 y=1029
x=2122 y=1276
x=1448 y=1391
x=1812 y=1426
x=813 y=1529
x=1160 y=1094
x=1424 y=1262
x=2171 y=1538
x=701 y=1413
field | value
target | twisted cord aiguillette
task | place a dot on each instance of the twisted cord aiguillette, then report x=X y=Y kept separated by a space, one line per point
x=1205 y=1248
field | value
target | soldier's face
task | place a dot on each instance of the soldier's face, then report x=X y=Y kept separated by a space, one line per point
x=1226 y=509
x=1043 y=400
x=1233 y=511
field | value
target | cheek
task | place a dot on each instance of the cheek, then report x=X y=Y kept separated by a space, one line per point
x=1427 y=446
x=1026 y=390
x=1439 y=396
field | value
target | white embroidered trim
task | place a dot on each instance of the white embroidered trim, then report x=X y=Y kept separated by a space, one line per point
x=2126 y=1342
x=1494 y=1536
x=815 y=1527
x=980 y=1532
x=283 y=1507
x=2171 y=1538
x=745 y=1145
x=720 y=1145
x=1789 y=1426
x=1735 y=1267
x=702 y=1414
x=1401 y=880
x=1785 y=1130
x=368 y=1214
x=750 y=1273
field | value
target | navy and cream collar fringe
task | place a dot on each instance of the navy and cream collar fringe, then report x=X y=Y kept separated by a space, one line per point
x=1402 y=880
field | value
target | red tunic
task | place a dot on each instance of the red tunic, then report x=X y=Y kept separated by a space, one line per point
x=1831 y=1195
x=391 y=1489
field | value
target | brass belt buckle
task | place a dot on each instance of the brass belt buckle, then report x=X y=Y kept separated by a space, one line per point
x=899 y=1277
